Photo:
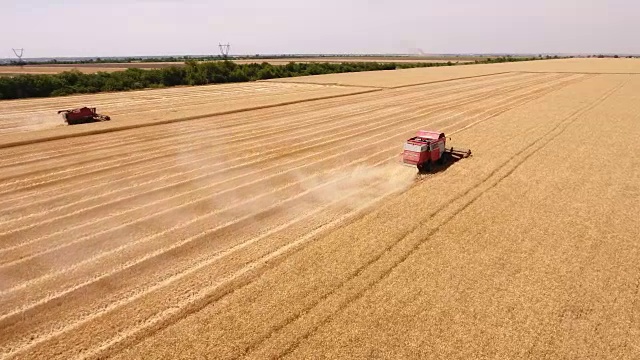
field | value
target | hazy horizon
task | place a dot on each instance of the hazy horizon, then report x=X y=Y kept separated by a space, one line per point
x=170 y=27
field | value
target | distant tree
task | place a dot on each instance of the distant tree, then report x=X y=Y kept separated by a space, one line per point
x=173 y=76
x=238 y=75
x=266 y=73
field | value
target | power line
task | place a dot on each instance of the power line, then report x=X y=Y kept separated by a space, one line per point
x=224 y=49
x=19 y=54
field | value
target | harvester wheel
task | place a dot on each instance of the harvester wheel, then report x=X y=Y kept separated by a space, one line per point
x=443 y=159
x=424 y=167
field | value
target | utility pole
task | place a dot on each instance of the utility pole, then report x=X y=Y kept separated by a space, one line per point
x=224 y=50
x=19 y=53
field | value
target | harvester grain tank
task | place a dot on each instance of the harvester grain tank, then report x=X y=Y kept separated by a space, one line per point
x=82 y=116
x=429 y=147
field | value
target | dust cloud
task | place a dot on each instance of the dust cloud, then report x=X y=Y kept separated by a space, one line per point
x=10 y=123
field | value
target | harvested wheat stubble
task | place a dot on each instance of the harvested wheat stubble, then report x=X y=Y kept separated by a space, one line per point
x=409 y=77
x=139 y=108
x=586 y=66
x=185 y=240
x=544 y=263
x=398 y=78
x=459 y=278
x=48 y=218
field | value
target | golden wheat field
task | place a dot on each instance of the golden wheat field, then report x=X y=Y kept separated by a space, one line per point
x=273 y=219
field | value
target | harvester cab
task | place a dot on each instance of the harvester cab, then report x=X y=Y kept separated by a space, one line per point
x=429 y=147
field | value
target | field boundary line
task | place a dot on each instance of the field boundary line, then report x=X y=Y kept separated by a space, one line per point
x=171 y=90
x=449 y=80
x=280 y=81
x=106 y=145
x=170 y=121
x=391 y=87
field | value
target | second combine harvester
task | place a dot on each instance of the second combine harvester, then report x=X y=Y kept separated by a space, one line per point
x=82 y=115
x=429 y=147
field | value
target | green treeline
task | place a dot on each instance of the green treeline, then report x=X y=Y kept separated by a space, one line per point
x=194 y=73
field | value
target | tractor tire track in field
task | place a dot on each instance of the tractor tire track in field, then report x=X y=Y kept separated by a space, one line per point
x=285 y=147
x=81 y=146
x=239 y=108
x=281 y=148
x=243 y=275
x=190 y=270
x=50 y=220
x=494 y=178
x=87 y=173
x=217 y=126
x=191 y=127
x=156 y=328
x=24 y=284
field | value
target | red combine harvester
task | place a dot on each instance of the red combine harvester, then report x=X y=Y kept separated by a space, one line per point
x=428 y=147
x=82 y=116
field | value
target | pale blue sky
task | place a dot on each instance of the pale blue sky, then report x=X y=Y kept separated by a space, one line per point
x=158 y=27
